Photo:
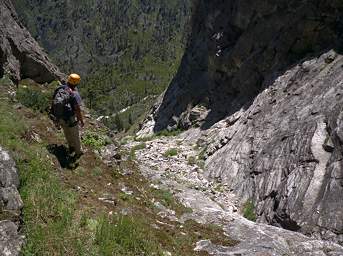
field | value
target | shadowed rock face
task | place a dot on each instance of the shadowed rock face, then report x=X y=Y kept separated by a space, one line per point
x=20 y=55
x=272 y=73
x=237 y=48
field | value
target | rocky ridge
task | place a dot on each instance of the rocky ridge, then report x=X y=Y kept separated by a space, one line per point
x=263 y=84
x=20 y=55
x=284 y=151
x=213 y=202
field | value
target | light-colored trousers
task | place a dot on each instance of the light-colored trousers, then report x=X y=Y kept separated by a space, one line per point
x=72 y=136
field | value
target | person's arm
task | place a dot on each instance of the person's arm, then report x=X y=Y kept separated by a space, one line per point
x=77 y=108
x=78 y=114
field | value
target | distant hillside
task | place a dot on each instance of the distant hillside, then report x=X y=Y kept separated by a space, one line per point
x=127 y=50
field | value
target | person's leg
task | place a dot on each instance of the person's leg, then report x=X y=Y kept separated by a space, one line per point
x=75 y=139
x=68 y=133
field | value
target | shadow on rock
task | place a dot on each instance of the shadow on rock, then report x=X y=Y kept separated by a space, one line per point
x=62 y=154
x=224 y=67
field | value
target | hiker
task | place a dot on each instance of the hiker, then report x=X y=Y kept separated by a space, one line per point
x=66 y=113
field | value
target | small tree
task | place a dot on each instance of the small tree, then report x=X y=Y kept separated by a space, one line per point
x=118 y=123
x=130 y=119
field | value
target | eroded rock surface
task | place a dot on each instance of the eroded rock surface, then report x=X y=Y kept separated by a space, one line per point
x=269 y=76
x=10 y=206
x=213 y=201
x=285 y=150
x=20 y=55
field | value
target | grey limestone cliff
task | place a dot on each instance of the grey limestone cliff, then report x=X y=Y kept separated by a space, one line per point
x=20 y=55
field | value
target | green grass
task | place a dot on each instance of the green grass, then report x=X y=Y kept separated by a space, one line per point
x=50 y=218
x=49 y=207
x=124 y=235
x=97 y=171
x=171 y=152
x=249 y=211
x=202 y=154
x=5 y=80
x=135 y=148
x=164 y=196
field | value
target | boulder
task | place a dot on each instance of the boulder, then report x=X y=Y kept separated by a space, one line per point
x=10 y=206
x=20 y=55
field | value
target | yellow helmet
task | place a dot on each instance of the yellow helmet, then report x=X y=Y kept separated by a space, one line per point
x=74 y=79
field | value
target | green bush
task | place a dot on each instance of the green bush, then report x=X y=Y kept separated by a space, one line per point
x=96 y=140
x=171 y=152
x=249 y=211
x=34 y=98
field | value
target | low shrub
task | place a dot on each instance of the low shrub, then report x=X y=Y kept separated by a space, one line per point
x=191 y=160
x=171 y=152
x=96 y=140
x=249 y=211
x=34 y=98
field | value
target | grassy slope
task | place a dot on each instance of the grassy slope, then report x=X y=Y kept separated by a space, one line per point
x=63 y=214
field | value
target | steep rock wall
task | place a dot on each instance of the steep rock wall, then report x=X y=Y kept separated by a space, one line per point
x=20 y=55
x=270 y=89
x=239 y=47
x=285 y=150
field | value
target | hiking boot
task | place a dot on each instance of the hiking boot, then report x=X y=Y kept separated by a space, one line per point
x=78 y=156
x=71 y=151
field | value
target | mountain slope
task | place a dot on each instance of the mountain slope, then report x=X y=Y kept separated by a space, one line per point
x=125 y=50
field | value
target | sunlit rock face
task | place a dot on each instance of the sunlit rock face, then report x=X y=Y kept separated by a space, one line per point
x=20 y=55
x=268 y=76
